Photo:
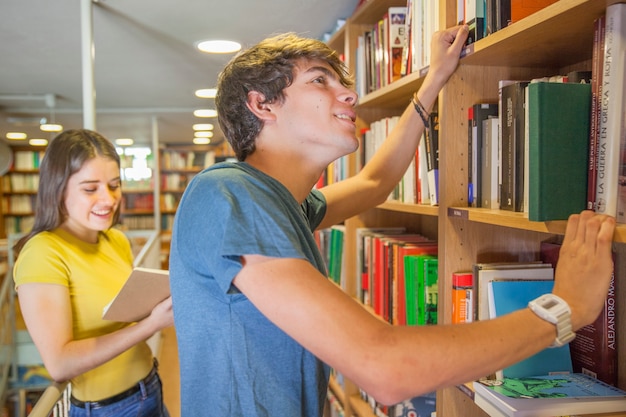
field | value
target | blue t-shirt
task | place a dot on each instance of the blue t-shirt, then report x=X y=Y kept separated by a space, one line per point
x=234 y=361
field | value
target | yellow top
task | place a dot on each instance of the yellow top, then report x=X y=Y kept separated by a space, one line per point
x=93 y=273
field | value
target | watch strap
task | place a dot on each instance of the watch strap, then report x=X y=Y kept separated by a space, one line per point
x=555 y=310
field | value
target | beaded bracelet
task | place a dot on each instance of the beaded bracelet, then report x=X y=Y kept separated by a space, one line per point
x=421 y=111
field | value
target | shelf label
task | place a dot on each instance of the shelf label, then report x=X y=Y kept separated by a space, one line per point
x=457 y=212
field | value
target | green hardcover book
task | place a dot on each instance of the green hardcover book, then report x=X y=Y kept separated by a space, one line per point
x=558 y=123
x=414 y=275
x=430 y=293
x=335 y=262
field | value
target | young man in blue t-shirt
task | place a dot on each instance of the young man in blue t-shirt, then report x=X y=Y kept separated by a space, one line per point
x=258 y=324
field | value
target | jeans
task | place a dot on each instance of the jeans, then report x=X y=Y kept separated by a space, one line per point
x=147 y=402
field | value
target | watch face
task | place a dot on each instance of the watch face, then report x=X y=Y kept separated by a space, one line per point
x=550 y=303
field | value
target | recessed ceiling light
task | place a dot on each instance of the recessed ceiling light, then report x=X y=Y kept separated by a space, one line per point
x=206 y=92
x=38 y=142
x=203 y=134
x=51 y=127
x=205 y=113
x=203 y=126
x=219 y=46
x=201 y=141
x=15 y=135
x=124 y=141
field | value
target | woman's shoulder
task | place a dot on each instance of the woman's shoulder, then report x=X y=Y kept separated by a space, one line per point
x=46 y=238
x=115 y=233
x=116 y=236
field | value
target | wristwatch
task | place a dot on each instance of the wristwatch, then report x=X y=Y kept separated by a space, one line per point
x=555 y=310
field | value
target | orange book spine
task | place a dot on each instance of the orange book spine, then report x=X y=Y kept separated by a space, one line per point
x=462 y=297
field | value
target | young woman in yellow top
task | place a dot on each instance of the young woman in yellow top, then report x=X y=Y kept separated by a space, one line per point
x=69 y=267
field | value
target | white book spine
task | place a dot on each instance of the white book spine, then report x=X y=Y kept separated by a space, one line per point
x=611 y=132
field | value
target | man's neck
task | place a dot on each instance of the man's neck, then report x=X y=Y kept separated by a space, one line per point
x=296 y=174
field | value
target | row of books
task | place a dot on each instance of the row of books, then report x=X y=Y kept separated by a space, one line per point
x=18 y=204
x=18 y=224
x=141 y=201
x=16 y=183
x=487 y=291
x=27 y=160
x=131 y=222
x=495 y=289
x=187 y=160
x=397 y=45
x=485 y=17
x=175 y=181
x=397 y=276
x=529 y=152
x=420 y=183
x=555 y=146
x=138 y=185
x=397 y=272
x=574 y=379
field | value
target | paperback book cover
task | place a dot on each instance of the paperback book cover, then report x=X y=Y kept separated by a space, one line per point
x=144 y=289
x=547 y=396
x=507 y=296
x=486 y=272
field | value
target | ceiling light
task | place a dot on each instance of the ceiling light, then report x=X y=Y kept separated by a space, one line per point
x=219 y=46
x=124 y=141
x=51 y=127
x=15 y=135
x=201 y=141
x=38 y=142
x=203 y=126
x=203 y=134
x=205 y=113
x=206 y=93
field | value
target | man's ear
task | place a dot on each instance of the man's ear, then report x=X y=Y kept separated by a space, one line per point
x=259 y=106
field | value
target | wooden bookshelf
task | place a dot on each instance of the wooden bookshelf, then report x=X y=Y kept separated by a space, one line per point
x=177 y=166
x=556 y=39
x=18 y=190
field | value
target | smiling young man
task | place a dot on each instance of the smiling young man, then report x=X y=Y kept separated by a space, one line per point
x=256 y=319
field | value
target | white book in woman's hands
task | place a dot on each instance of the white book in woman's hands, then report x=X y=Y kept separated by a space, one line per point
x=144 y=289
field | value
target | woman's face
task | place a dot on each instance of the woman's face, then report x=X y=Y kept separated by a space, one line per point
x=92 y=196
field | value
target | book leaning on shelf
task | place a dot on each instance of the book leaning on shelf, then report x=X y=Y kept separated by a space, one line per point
x=612 y=110
x=594 y=350
x=512 y=147
x=558 y=143
x=548 y=396
x=509 y=295
x=475 y=116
